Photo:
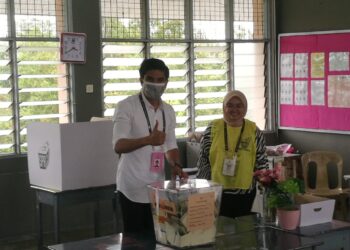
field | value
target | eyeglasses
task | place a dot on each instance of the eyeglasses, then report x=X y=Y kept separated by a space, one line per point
x=232 y=106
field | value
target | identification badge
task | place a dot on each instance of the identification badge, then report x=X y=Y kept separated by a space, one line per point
x=229 y=166
x=157 y=162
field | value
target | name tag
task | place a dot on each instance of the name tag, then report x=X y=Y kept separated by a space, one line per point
x=157 y=162
x=229 y=166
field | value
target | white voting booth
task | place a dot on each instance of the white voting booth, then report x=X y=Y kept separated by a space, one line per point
x=72 y=155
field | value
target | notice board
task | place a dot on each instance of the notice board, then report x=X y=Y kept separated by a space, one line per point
x=314 y=81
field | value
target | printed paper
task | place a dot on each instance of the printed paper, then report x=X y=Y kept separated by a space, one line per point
x=339 y=91
x=317 y=65
x=339 y=61
x=200 y=211
x=286 y=94
x=286 y=65
x=317 y=92
x=300 y=92
x=301 y=65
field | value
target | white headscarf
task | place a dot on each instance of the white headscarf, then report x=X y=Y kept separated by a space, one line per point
x=238 y=94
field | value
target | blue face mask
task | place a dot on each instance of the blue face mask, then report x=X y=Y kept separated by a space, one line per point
x=153 y=90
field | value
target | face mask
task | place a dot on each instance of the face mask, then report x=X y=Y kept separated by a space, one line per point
x=153 y=90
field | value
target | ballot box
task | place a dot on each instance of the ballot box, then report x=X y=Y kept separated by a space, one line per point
x=185 y=212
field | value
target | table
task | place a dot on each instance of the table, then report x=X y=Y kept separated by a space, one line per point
x=242 y=233
x=334 y=234
x=57 y=199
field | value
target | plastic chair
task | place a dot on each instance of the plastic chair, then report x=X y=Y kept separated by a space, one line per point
x=323 y=174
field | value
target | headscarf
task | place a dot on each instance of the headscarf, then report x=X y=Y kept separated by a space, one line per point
x=238 y=94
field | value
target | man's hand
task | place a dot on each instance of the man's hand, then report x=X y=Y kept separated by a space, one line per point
x=157 y=137
x=176 y=170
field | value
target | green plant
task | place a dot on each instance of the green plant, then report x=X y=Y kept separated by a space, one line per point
x=280 y=193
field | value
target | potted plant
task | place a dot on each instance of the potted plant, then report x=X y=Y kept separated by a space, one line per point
x=280 y=194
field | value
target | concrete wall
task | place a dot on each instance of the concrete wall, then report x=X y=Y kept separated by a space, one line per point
x=308 y=16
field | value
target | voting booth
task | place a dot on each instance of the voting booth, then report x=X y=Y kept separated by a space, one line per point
x=185 y=212
x=71 y=155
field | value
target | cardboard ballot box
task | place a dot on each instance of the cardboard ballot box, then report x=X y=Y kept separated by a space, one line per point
x=314 y=209
x=72 y=155
x=185 y=213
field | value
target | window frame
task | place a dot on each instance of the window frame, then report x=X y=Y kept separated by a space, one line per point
x=268 y=40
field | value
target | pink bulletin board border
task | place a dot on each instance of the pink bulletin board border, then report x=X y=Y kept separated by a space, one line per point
x=312 y=117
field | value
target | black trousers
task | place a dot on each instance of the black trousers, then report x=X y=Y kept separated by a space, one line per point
x=235 y=205
x=137 y=217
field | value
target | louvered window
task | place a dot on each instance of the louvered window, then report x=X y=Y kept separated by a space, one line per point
x=33 y=82
x=210 y=46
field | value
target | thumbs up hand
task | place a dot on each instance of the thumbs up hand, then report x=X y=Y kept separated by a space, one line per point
x=157 y=137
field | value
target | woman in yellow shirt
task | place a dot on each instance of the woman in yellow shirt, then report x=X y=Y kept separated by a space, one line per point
x=232 y=148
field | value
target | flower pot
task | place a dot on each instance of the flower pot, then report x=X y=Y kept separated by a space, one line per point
x=288 y=219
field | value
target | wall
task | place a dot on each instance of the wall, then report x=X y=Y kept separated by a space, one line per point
x=307 y=16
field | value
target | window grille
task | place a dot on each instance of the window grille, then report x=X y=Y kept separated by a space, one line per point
x=33 y=82
x=209 y=51
x=209 y=19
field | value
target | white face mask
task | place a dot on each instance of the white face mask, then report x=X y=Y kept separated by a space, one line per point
x=153 y=90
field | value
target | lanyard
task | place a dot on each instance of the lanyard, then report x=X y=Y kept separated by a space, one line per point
x=146 y=115
x=239 y=138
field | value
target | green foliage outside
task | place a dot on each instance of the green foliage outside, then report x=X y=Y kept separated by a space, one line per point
x=34 y=58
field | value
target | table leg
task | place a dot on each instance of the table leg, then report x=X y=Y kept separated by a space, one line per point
x=56 y=219
x=39 y=223
x=97 y=219
x=114 y=205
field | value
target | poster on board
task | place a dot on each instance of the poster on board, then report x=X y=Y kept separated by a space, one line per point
x=314 y=81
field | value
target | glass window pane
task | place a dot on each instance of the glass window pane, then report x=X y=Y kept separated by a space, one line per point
x=42 y=83
x=121 y=19
x=211 y=78
x=121 y=76
x=248 y=19
x=175 y=57
x=38 y=18
x=4 y=32
x=209 y=19
x=6 y=102
x=167 y=19
x=250 y=79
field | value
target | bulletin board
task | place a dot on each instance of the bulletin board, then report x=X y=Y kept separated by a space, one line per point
x=314 y=81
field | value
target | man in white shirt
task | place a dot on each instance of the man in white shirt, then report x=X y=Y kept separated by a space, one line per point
x=144 y=134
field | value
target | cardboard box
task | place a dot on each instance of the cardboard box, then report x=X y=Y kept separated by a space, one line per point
x=185 y=213
x=72 y=155
x=315 y=209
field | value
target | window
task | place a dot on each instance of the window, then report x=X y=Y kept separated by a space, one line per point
x=210 y=46
x=33 y=82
